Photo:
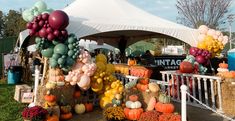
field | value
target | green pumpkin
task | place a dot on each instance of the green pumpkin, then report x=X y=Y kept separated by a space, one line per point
x=115 y=101
x=163 y=98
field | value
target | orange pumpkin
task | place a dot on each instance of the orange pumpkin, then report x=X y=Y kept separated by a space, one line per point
x=52 y=118
x=131 y=62
x=164 y=107
x=133 y=98
x=133 y=114
x=50 y=98
x=89 y=107
x=142 y=87
x=144 y=81
x=76 y=94
x=223 y=65
x=66 y=116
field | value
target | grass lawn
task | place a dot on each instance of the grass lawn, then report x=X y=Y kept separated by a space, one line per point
x=10 y=110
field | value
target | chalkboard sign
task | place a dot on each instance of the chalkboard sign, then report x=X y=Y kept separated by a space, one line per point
x=169 y=62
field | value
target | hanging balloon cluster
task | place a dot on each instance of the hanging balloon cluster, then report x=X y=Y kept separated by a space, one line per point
x=81 y=72
x=210 y=44
x=52 y=39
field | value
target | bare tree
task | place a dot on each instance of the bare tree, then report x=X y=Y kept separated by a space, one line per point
x=194 y=13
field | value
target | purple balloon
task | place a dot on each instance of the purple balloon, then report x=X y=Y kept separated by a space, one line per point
x=43 y=33
x=56 y=33
x=58 y=20
x=45 y=16
x=32 y=32
x=41 y=23
x=35 y=26
x=49 y=30
x=50 y=36
x=29 y=25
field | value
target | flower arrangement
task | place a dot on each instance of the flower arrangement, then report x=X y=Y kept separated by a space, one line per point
x=35 y=113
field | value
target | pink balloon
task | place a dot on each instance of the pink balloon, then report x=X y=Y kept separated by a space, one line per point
x=203 y=29
x=85 y=68
x=218 y=33
x=56 y=33
x=73 y=83
x=41 y=23
x=49 y=30
x=201 y=37
x=68 y=78
x=58 y=20
x=45 y=16
x=29 y=25
x=43 y=33
x=84 y=81
x=215 y=36
x=50 y=36
x=220 y=38
x=32 y=32
x=211 y=32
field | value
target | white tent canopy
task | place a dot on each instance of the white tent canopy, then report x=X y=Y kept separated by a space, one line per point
x=109 y=19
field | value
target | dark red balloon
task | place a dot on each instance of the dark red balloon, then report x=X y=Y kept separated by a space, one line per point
x=57 y=33
x=49 y=30
x=200 y=59
x=50 y=36
x=29 y=25
x=45 y=16
x=41 y=23
x=43 y=33
x=39 y=17
x=58 y=20
x=64 y=33
x=35 y=26
x=32 y=32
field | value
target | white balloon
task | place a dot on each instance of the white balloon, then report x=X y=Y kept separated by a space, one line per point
x=218 y=33
x=220 y=38
x=203 y=29
x=215 y=36
x=211 y=32
x=201 y=37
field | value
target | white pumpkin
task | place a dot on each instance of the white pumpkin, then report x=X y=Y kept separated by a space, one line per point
x=153 y=87
x=133 y=105
x=80 y=108
x=60 y=83
x=50 y=85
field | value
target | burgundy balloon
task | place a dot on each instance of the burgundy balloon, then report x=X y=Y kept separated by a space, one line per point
x=200 y=59
x=39 y=17
x=32 y=32
x=45 y=16
x=44 y=26
x=43 y=33
x=48 y=25
x=193 y=51
x=49 y=30
x=50 y=36
x=64 y=33
x=35 y=26
x=56 y=33
x=46 y=21
x=36 y=34
x=41 y=23
x=29 y=25
x=58 y=20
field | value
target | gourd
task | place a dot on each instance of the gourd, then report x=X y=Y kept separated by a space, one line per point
x=80 y=108
x=164 y=104
x=133 y=105
x=89 y=107
x=130 y=84
x=133 y=114
x=151 y=104
x=133 y=98
x=153 y=87
x=66 y=116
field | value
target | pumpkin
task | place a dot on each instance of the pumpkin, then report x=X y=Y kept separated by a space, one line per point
x=49 y=104
x=186 y=67
x=76 y=94
x=153 y=87
x=133 y=98
x=133 y=105
x=52 y=118
x=89 y=107
x=151 y=104
x=131 y=62
x=164 y=104
x=65 y=109
x=55 y=72
x=80 y=108
x=144 y=81
x=66 y=116
x=223 y=65
x=133 y=114
x=142 y=87
x=50 y=98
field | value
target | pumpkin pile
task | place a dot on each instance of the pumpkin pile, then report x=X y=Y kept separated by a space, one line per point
x=65 y=110
x=133 y=108
x=224 y=72
x=55 y=78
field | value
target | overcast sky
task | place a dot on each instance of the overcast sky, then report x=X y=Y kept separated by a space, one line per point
x=162 y=8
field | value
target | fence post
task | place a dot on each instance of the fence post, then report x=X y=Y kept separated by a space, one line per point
x=36 y=82
x=183 y=89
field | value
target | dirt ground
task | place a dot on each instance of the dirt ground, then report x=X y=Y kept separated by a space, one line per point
x=194 y=114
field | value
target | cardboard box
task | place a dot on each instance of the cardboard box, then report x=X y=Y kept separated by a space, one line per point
x=19 y=92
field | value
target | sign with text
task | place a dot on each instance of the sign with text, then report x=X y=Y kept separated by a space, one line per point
x=169 y=62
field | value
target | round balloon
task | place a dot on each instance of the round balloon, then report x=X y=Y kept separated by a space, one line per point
x=56 y=56
x=41 y=6
x=61 y=61
x=58 y=20
x=47 y=52
x=43 y=33
x=61 y=49
x=53 y=63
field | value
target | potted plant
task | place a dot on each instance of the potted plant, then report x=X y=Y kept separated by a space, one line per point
x=35 y=113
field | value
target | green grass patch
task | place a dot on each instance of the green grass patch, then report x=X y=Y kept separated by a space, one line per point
x=10 y=110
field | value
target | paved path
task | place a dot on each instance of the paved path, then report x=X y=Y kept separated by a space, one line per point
x=194 y=114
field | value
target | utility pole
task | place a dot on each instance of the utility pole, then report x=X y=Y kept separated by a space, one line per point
x=230 y=21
